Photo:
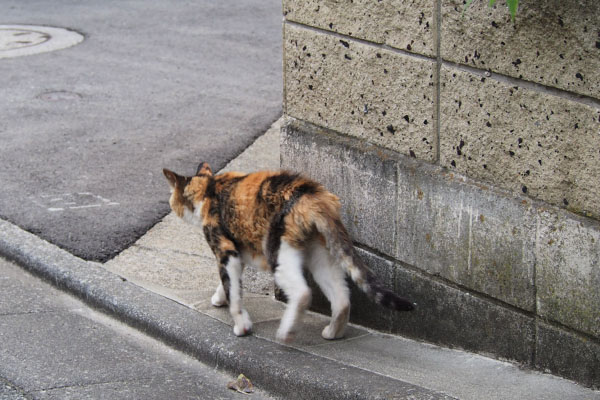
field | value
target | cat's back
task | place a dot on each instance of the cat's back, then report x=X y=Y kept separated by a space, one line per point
x=264 y=185
x=262 y=194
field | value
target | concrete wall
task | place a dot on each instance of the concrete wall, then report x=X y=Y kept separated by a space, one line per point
x=466 y=151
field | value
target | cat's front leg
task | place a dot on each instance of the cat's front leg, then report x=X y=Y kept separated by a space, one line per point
x=231 y=280
x=219 y=299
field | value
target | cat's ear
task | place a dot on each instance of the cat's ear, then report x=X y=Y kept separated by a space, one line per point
x=172 y=177
x=204 y=169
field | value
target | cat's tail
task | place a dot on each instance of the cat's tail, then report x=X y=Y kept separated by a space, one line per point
x=342 y=250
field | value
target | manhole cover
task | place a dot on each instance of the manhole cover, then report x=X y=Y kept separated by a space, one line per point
x=24 y=40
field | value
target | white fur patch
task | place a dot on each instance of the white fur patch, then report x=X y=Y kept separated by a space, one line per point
x=194 y=218
x=332 y=280
x=241 y=319
x=290 y=278
x=219 y=299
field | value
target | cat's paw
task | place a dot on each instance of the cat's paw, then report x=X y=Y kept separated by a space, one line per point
x=243 y=324
x=330 y=334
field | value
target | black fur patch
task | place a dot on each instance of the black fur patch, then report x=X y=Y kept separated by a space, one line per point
x=276 y=230
x=210 y=189
x=225 y=281
x=222 y=208
x=212 y=235
x=225 y=257
x=182 y=181
x=280 y=181
x=394 y=302
x=381 y=295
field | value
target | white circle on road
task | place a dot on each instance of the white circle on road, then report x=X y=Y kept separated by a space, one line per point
x=25 y=40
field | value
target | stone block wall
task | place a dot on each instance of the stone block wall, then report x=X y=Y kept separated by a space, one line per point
x=466 y=151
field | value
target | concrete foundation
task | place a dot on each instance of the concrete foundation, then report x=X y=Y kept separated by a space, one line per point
x=492 y=271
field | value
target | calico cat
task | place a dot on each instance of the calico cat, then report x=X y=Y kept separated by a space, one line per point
x=284 y=223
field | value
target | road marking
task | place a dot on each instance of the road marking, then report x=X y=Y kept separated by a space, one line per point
x=71 y=201
x=88 y=206
x=24 y=40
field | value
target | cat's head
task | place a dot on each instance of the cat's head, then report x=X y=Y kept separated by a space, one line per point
x=188 y=192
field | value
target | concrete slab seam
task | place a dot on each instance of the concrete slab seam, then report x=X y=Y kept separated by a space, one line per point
x=141 y=247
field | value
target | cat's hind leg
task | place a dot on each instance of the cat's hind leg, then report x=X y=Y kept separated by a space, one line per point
x=289 y=277
x=231 y=281
x=332 y=281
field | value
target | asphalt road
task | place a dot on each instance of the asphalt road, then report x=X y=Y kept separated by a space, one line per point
x=85 y=131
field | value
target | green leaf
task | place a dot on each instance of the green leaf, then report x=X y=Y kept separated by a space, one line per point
x=467 y=4
x=512 y=7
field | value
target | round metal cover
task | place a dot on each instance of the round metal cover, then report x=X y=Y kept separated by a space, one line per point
x=24 y=40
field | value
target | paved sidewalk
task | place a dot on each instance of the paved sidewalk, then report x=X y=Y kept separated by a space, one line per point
x=163 y=283
x=55 y=347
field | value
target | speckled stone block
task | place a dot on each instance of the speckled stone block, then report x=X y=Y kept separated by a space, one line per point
x=520 y=139
x=377 y=95
x=363 y=177
x=551 y=42
x=568 y=271
x=473 y=235
x=407 y=25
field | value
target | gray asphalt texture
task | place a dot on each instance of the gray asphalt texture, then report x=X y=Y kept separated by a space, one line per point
x=86 y=131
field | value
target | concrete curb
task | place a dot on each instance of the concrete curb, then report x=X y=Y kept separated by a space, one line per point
x=281 y=370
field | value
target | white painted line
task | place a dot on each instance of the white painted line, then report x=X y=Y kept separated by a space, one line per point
x=88 y=206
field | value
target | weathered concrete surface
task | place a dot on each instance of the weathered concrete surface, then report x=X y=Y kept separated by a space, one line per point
x=471 y=377
x=378 y=95
x=523 y=140
x=568 y=271
x=421 y=215
x=55 y=347
x=582 y=363
x=407 y=25
x=455 y=317
x=471 y=255
x=367 y=190
x=553 y=42
x=465 y=233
